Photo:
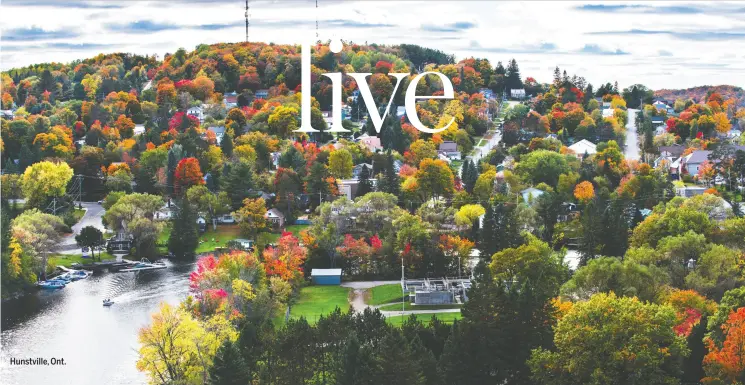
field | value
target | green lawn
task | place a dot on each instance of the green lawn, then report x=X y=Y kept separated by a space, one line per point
x=481 y=143
x=409 y=306
x=295 y=229
x=78 y=213
x=67 y=260
x=314 y=301
x=425 y=318
x=383 y=294
x=212 y=239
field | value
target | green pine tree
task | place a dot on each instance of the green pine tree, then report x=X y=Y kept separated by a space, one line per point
x=184 y=237
x=365 y=185
x=226 y=145
x=237 y=182
x=228 y=367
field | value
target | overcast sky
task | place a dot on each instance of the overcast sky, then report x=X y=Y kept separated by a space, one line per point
x=659 y=44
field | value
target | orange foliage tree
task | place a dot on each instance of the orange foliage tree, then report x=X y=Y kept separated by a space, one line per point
x=187 y=174
x=285 y=260
x=725 y=364
x=584 y=191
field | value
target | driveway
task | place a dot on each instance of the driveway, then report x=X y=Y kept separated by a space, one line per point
x=93 y=217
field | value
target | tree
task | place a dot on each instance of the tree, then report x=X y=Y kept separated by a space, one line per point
x=251 y=218
x=207 y=203
x=187 y=174
x=238 y=181
x=226 y=144
x=228 y=367
x=340 y=164
x=422 y=149
x=612 y=340
x=184 y=237
x=608 y=274
x=584 y=191
x=725 y=363
x=90 y=237
x=543 y=166
x=467 y=215
x=512 y=78
x=435 y=178
x=731 y=301
x=286 y=259
x=39 y=234
x=636 y=94
x=717 y=270
x=45 y=180
x=365 y=186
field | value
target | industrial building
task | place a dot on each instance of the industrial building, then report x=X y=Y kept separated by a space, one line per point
x=440 y=291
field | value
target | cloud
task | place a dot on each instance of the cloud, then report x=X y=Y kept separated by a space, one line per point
x=697 y=35
x=663 y=52
x=594 y=49
x=62 y=4
x=636 y=8
x=142 y=26
x=58 y=46
x=451 y=27
x=544 y=47
x=35 y=34
x=354 y=24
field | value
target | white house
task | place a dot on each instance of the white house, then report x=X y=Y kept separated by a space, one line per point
x=517 y=93
x=693 y=161
x=139 y=129
x=219 y=132
x=196 y=112
x=583 y=147
x=261 y=94
x=275 y=217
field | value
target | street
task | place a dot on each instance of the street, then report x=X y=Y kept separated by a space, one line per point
x=93 y=217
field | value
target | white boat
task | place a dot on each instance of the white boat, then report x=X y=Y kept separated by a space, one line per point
x=145 y=264
x=108 y=302
x=51 y=284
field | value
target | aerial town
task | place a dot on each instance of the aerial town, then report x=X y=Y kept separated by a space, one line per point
x=168 y=220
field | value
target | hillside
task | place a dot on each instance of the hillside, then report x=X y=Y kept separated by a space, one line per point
x=701 y=92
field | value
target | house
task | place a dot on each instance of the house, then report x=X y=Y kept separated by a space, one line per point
x=517 y=93
x=6 y=114
x=657 y=121
x=226 y=219
x=693 y=161
x=449 y=149
x=661 y=106
x=275 y=217
x=371 y=142
x=531 y=194
x=400 y=111
x=201 y=224
x=121 y=242
x=197 y=113
x=348 y=187
x=671 y=164
x=261 y=94
x=583 y=147
x=219 y=132
x=139 y=129
x=675 y=151
x=230 y=99
x=325 y=276
x=689 y=191
x=165 y=213
x=247 y=244
x=488 y=94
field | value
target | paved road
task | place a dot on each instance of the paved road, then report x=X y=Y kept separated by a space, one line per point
x=93 y=217
x=632 y=141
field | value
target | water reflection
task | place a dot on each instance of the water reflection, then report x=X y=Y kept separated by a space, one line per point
x=98 y=344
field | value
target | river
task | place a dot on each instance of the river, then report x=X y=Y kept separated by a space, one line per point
x=98 y=344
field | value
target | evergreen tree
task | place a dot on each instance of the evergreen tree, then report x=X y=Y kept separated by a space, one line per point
x=293 y=159
x=392 y=184
x=365 y=185
x=513 y=80
x=226 y=145
x=315 y=181
x=397 y=364
x=184 y=237
x=548 y=206
x=237 y=183
x=26 y=157
x=228 y=367
x=488 y=241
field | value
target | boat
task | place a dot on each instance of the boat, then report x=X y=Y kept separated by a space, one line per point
x=145 y=264
x=108 y=302
x=51 y=284
x=78 y=274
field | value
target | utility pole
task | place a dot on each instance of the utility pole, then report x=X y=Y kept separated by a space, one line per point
x=246 y=14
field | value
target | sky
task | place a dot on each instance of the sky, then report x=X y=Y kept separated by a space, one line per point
x=659 y=44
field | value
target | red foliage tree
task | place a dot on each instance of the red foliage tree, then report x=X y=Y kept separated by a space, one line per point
x=285 y=260
x=726 y=364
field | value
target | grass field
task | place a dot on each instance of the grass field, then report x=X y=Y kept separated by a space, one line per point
x=67 y=260
x=78 y=213
x=314 y=301
x=425 y=318
x=383 y=294
x=219 y=238
x=295 y=229
x=409 y=306
x=481 y=143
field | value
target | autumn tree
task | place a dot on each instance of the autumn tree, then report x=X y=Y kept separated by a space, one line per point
x=45 y=180
x=251 y=218
x=435 y=178
x=39 y=233
x=187 y=174
x=341 y=164
x=725 y=362
x=584 y=191
x=285 y=260
x=612 y=340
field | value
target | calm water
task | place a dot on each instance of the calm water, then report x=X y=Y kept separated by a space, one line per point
x=98 y=344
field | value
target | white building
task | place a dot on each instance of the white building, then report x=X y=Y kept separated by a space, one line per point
x=583 y=147
x=196 y=112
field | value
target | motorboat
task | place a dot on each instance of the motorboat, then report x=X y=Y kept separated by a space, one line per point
x=51 y=284
x=145 y=264
x=108 y=302
x=78 y=274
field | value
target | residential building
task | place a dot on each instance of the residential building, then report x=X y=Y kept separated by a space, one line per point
x=531 y=194
x=689 y=191
x=449 y=149
x=693 y=161
x=371 y=142
x=230 y=99
x=196 y=112
x=676 y=150
x=275 y=218
x=219 y=132
x=517 y=93
x=583 y=147
x=261 y=94
x=357 y=170
x=139 y=129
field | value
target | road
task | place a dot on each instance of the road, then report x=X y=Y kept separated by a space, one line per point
x=632 y=140
x=496 y=136
x=93 y=217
